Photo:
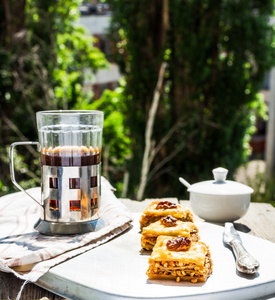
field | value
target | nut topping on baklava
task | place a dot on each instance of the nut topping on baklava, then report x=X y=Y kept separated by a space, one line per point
x=169 y=221
x=166 y=205
x=194 y=264
x=180 y=243
x=151 y=232
x=159 y=209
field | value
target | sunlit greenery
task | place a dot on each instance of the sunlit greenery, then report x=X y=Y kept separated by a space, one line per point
x=218 y=53
x=116 y=138
x=42 y=63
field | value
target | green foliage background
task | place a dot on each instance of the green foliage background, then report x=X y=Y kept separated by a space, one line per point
x=43 y=55
x=218 y=53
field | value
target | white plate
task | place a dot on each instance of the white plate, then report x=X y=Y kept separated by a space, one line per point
x=117 y=269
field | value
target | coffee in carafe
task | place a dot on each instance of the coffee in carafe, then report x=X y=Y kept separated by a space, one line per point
x=70 y=145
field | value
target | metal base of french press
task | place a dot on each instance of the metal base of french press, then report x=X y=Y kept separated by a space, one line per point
x=57 y=228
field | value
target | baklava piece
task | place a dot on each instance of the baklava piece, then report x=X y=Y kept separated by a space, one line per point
x=179 y=259
x=167 y=226
x=158 y=209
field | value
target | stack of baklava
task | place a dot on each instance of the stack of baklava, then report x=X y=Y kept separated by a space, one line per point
x=177 y=252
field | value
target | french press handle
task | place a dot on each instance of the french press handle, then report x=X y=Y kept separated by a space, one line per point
x=12 y=146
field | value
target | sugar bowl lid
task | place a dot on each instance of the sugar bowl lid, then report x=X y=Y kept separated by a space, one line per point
x=220 y=186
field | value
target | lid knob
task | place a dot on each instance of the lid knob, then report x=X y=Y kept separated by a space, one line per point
x=220 y=174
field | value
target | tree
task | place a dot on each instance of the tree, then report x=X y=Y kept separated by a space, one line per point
x=217 y=54
x=43 y=54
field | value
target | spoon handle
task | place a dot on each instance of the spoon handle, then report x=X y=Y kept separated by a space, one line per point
x=184 y=182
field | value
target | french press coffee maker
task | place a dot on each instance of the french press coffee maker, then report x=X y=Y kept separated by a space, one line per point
x=70 y=147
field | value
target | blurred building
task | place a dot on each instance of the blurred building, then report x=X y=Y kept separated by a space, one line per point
x=96 y=18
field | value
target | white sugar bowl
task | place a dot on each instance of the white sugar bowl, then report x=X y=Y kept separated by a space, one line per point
x=219 y=200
